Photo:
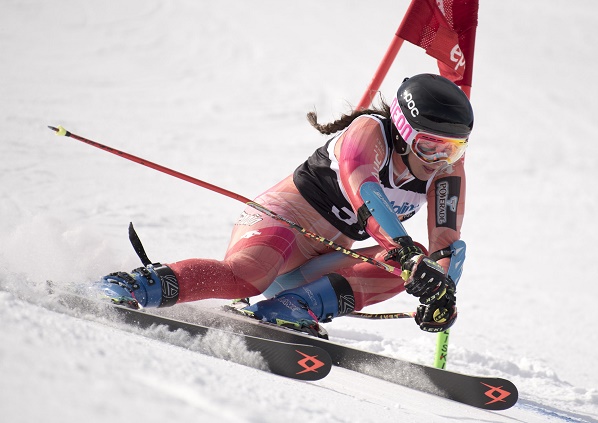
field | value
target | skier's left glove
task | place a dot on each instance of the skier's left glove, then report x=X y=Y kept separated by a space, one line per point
x=439 y=315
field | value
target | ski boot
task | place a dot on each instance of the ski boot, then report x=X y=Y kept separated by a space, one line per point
x=305 y=307
x=154 y=285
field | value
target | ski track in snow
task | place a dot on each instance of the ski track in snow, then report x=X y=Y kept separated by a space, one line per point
x=219 y=91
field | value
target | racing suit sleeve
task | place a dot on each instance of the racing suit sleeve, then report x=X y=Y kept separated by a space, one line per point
x=362 y=151
x=446 y=206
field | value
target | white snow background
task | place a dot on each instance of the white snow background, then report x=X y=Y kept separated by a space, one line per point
x=219 y=90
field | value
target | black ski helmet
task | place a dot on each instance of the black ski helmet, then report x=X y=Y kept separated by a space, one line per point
x=434 y=104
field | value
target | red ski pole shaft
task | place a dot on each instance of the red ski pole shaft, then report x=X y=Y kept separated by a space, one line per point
x=391 y=269
x=61 y=131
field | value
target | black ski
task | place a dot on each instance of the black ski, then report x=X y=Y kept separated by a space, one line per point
x=297 y=355
x=289 y=359
x=490 y=393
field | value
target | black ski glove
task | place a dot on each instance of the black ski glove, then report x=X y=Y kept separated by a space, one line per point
x=424 y=278
x=439 y=315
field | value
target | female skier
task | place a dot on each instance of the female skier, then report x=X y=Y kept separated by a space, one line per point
x=378 y=170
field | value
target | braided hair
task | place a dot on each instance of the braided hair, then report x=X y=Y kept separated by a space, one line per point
x=346 y=119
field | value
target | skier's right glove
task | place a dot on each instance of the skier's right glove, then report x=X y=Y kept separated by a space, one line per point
x=152 y=286
x=405 y=252
x=424 y=278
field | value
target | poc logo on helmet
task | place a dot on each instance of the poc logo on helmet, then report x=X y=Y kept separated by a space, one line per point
x=411 y=104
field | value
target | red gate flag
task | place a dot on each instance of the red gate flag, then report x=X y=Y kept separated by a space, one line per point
x=446 y=30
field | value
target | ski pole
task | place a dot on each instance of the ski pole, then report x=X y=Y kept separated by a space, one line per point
x=383 y=316
x=63 y=132
x=384 y=266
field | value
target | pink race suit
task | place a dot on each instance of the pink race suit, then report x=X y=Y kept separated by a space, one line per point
x=262 y=248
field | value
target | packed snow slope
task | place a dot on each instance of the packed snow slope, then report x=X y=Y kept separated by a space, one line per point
x=219 y=90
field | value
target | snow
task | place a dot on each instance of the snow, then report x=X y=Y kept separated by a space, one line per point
x=219 y=90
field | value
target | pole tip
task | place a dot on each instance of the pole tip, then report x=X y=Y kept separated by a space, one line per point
x=59 y=131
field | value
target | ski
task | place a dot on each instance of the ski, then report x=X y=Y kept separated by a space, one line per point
x=290 y=359
x=489 y=393
x=300 y=356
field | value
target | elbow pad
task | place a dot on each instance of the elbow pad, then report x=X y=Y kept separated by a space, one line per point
x=378 y=206
x=456 y=251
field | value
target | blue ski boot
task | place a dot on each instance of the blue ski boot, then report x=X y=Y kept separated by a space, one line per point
x=154 y=285
x=305 y=307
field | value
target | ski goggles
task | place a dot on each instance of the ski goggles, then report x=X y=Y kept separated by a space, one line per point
x=432 y=148
x=428 y=147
